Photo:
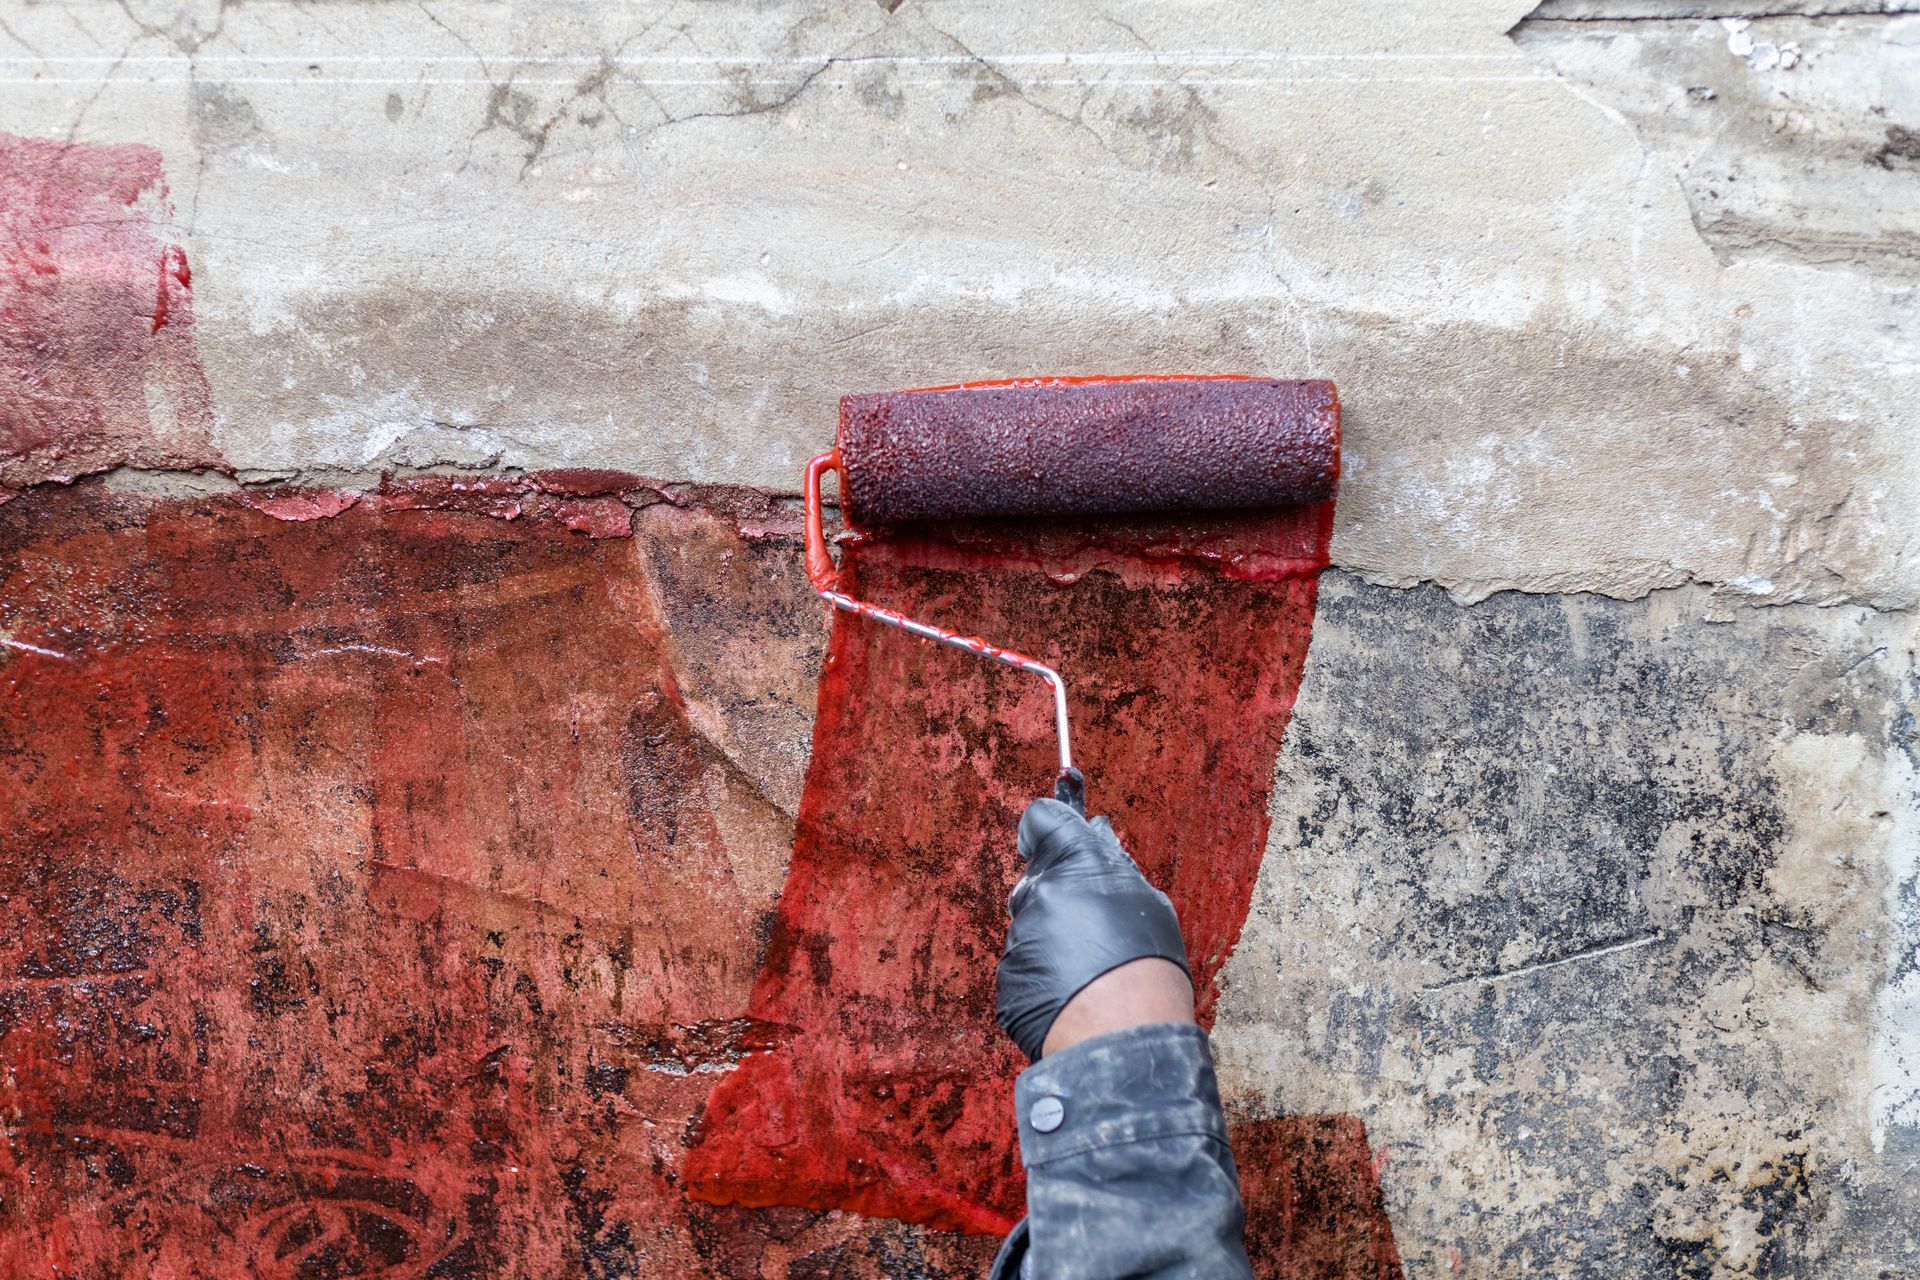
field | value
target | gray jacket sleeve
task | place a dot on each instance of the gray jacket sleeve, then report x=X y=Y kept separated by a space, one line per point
x=1128 y=1168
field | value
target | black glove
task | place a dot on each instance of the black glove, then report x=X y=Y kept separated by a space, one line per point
x=1081 y=909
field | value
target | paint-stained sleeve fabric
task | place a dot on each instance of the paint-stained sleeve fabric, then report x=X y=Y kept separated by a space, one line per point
x=1128 y=1168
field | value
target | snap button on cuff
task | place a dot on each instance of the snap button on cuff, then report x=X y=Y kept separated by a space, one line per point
x=1047 y=1114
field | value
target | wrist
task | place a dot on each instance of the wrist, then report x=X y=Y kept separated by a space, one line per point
x=1134 y=994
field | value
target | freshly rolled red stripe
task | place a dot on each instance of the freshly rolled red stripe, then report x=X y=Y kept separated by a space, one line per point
x=1087 y=447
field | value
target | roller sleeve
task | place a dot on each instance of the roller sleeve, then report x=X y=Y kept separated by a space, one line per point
x=1087 y=448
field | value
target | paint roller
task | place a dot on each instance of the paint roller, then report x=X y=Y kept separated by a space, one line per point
x=1067 y=447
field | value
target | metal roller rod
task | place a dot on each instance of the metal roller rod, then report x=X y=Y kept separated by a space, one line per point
x=972 y=644
x=825 y=577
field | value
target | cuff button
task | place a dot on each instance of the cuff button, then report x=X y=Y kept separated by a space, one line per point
x=1047 y=1114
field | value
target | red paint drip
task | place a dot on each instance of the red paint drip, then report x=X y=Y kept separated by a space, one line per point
x=893 y=1094
x=173 y=274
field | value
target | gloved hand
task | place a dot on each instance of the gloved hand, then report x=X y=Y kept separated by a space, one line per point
x=1081 y=909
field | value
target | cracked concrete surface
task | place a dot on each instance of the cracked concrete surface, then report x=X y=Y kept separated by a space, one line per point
x=1785 y=132
x=1592 y=884
x=518 y=235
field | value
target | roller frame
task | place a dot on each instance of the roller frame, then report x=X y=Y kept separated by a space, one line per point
x=1069 y=786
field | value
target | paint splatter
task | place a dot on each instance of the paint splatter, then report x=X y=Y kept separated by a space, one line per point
x=891 y=1093
x=97 y=359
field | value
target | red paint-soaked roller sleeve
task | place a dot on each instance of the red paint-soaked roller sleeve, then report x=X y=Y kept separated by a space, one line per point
x=1085 y=447
x=97 y=354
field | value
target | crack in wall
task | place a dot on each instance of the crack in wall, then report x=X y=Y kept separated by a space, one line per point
x=1521 y=971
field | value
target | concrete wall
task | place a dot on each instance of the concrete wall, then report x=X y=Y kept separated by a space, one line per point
x=1587 y=917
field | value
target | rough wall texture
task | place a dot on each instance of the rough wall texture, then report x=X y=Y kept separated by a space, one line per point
x=1600 y=921
x=395 y=837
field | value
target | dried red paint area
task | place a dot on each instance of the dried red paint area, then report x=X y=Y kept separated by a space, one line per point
x=388 y=881
x=1182 y=643
x=97 y=361
x=381 y=889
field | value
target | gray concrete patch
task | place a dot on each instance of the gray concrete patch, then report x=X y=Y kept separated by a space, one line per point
x=1591 y=911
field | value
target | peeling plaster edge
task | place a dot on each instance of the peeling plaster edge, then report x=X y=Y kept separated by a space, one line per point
x=1733 y=241
x=161 y=484
x=1737 y=13
x=1467 y=591
x=148 y=482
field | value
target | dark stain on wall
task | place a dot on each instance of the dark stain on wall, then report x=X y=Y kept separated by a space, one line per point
x=1568 y=879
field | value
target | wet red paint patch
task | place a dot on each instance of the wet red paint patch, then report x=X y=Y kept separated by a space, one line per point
x=1182 y=644
x=388 y=882
x=97 y=362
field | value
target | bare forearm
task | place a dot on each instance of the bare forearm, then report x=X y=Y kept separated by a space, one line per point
x=1135 y=994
